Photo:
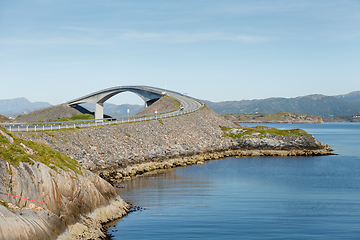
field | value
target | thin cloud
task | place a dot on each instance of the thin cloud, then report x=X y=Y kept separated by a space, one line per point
x=184 y=37
x=112 y=37
x=51 y=41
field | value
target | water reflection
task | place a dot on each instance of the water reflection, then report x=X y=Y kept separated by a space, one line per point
x=251 y=198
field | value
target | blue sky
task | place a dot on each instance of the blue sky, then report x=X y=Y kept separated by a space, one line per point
x=55 y=51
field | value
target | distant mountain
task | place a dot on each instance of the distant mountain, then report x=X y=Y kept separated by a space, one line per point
x=19 y=106
x=317 y=105
x=350 y=97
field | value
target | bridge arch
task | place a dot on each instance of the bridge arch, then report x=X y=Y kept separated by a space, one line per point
x=148 y=94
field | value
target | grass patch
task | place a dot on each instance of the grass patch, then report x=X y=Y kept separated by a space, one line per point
x=127 y=134
x=260 y=131
x=4 y=204
x=75 y=117
x=161 y=121
x=44 y=154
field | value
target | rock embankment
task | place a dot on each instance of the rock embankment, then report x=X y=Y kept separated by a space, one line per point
x=113 y=148
x=42 y=202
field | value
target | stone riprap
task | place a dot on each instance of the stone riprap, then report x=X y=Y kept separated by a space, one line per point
x=111 y=149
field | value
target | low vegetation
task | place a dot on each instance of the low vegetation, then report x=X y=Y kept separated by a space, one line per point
x=344 y=118
x=16 y=153
x=75 y=118
x=259 y=131
x=3 y=203
x=316 y=105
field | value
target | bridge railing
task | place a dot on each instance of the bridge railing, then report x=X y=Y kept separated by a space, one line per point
x=26 y=127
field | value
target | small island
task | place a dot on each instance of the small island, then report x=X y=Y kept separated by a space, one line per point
x=280 y=117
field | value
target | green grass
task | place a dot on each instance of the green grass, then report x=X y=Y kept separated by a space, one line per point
x=161 y=121
x=262 y=130
x=15 y=154
x=20 y=116
x=75 y=118
x=4 y=204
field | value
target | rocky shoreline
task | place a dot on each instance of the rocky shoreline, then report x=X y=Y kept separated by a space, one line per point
x=136 y=170
x=42 y=199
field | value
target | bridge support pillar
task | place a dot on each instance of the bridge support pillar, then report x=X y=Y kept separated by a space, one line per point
x=99 y=111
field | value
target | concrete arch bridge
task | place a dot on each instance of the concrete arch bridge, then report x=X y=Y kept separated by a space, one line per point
x=148 y=94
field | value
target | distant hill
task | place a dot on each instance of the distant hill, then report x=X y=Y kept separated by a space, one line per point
x=19 y=106
x=116 y=111
x=344 y=118
x=350 y=97
x=317 y=105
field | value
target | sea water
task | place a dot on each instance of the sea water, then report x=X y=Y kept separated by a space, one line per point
x=253 y=197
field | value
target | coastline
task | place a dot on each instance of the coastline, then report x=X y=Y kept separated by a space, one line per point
x=118 y=175
x=126 y=151
x=91 y=226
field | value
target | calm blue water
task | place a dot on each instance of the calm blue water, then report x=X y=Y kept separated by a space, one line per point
x=253 y=198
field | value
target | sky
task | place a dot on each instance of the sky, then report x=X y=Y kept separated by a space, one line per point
x=56 y=51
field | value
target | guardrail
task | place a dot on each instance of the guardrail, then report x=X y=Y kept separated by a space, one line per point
x=44 y=126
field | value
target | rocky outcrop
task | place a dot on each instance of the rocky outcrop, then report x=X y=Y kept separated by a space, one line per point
x=38 y=202
x=280 y=142
x=41 y=202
